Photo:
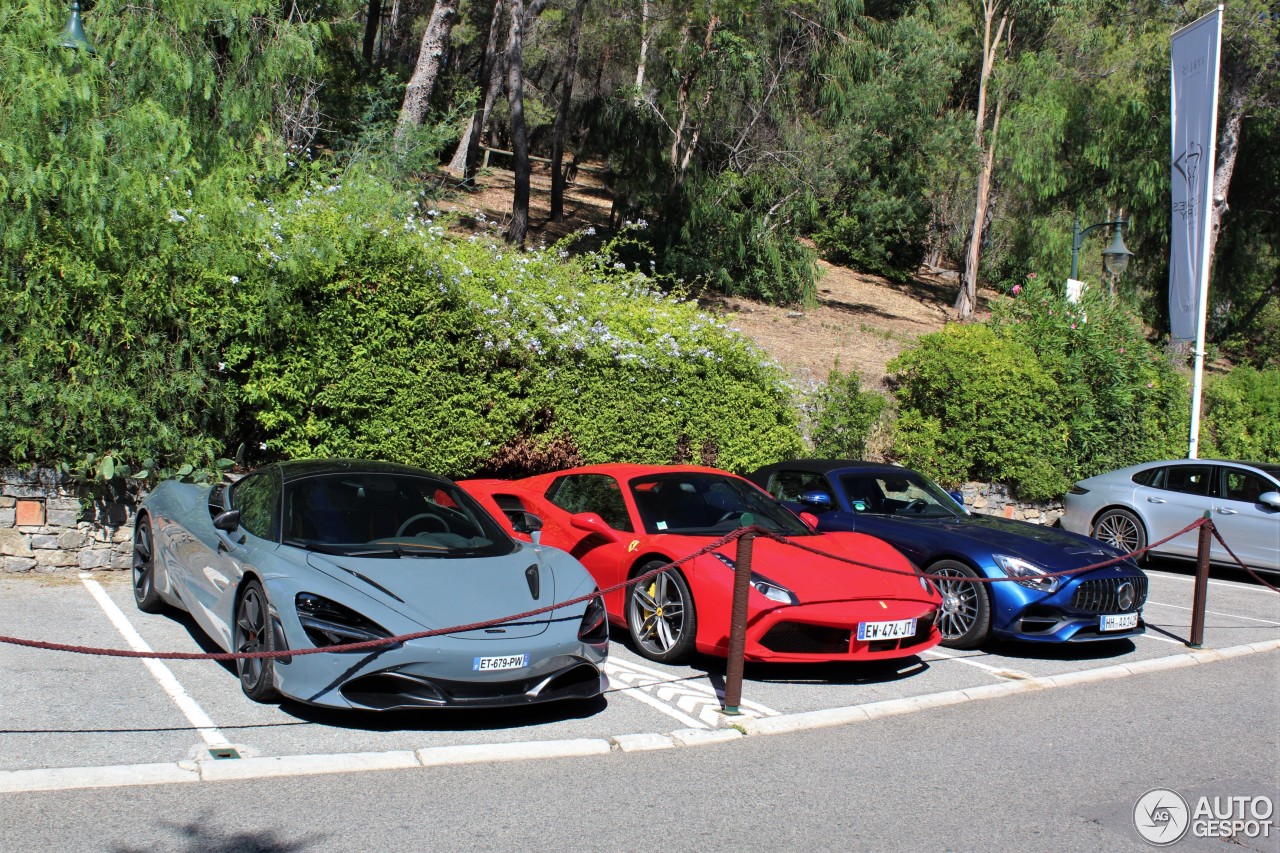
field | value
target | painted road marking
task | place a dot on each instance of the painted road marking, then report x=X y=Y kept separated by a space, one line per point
x=695 y=704
x=998 y=672
x=162 y=674
x=1214 y=612
x=1236 y=585
x=1151 y=636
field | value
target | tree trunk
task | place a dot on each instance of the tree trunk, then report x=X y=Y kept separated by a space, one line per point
x=562 y=115
x=685 y=139
x=520 y=20
x=644 y=47
x=371 y=30
x=967 y=299
x=435 y=44
x=467 y=155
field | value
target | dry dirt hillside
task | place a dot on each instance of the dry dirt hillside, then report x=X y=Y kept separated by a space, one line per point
x=860 y=321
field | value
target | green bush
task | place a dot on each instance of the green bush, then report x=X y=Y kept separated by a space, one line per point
x=1121 y=400
x=1241 y=415
x=975 y=404
x=844 y=416
x=466 y=356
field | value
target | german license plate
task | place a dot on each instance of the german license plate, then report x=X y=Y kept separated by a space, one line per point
x=870 y=631
x=503 y=662
x=1119 y=622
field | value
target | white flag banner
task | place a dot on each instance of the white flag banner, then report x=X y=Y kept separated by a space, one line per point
x=1195 y=57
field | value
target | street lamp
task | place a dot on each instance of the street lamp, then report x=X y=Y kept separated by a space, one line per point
x=73 y=36
x=1115 y=258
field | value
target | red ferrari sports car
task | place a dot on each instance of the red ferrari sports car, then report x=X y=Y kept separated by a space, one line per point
x=621 y=521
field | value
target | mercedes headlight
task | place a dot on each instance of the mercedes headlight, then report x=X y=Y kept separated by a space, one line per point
x=1026 y=573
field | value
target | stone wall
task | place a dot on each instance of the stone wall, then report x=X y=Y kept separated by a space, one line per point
x=991 y=499
x=49 y=523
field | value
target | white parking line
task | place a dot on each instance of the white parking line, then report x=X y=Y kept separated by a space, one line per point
x=994 y=670
x=1151 y=636
x=693 y=703
x=1243 y=587
x=1214 y=612
x=162 y=674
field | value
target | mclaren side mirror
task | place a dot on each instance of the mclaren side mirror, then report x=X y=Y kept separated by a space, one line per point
x=227 y=520
x=524 y=522
x=817 y=501
x=593 y=523
x=1271 y=499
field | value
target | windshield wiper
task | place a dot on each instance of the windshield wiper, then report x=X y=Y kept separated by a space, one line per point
x=341 y=551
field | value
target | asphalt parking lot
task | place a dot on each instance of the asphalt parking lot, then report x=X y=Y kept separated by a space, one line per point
x=73 y=720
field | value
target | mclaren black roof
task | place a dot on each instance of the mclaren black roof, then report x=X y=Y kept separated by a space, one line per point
x=300 y=468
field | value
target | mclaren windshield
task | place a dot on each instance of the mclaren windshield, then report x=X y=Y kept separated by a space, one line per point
x=704 y=504
x=380 y=514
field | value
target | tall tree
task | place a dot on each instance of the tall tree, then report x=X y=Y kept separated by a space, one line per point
x=435 y=44
x=562 y=114
x=522 y=18
x=467 y=154
x=985 y=143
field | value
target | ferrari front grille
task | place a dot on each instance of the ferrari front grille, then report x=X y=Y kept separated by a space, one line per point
x=1110 y=595
x=798 y=638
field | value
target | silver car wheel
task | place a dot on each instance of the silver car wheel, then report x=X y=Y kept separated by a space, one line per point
x=1120 y=529
x=144 y=569
x=253 y=633
x=964 y=619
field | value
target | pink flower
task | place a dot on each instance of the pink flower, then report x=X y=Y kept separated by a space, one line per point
x=1031 y=275
x=1151 y=384
x=1073 y=325
x=1017 y=288
x=1122 y=350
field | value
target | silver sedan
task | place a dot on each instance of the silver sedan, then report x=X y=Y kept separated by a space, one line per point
x=1133 y=506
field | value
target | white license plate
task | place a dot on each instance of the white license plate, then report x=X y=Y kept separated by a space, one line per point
x=1119 y=622
x=504 y=662
x=868 y=631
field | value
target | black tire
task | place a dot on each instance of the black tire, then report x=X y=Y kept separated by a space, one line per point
x=661 y=616
x=964 y=619
x=1121 y=529
x=253 y=632
x=145 y=594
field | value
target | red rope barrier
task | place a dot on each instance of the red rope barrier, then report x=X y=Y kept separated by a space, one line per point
x=1255 y=575
x=457 y=629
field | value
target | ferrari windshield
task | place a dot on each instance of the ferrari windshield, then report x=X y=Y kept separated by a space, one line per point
x=392 y=514
x=704 y=504
x=900 y=493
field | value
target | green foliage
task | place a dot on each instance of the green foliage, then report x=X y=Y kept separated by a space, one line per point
x=975 y=404
x=844 y=416
x=1120 y=399
x=449 y=354
x=1241 y=416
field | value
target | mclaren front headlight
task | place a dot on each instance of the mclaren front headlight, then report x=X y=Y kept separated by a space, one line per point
x=1026 y=573
x=595 y=622
x=329 y=623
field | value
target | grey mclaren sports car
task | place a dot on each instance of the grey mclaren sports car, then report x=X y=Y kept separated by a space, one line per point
x=302 y=555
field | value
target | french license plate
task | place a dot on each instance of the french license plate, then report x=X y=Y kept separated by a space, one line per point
x=1119 y=622
x=868 y=631
x=503 y=662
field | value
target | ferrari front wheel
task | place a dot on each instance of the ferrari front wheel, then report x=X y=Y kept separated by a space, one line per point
x=661 y=615
x=253 y=633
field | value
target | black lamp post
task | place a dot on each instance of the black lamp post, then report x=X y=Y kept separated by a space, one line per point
x=1115 y=258
x=73 y=36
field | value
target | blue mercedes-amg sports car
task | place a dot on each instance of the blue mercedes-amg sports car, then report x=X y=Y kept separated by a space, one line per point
x=936 y=532
x=303 y=555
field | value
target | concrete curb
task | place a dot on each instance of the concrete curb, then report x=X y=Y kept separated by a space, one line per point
x=214 y=770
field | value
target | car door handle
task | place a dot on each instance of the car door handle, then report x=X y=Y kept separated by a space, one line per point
x=1224 y=511
x=1156 y=501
